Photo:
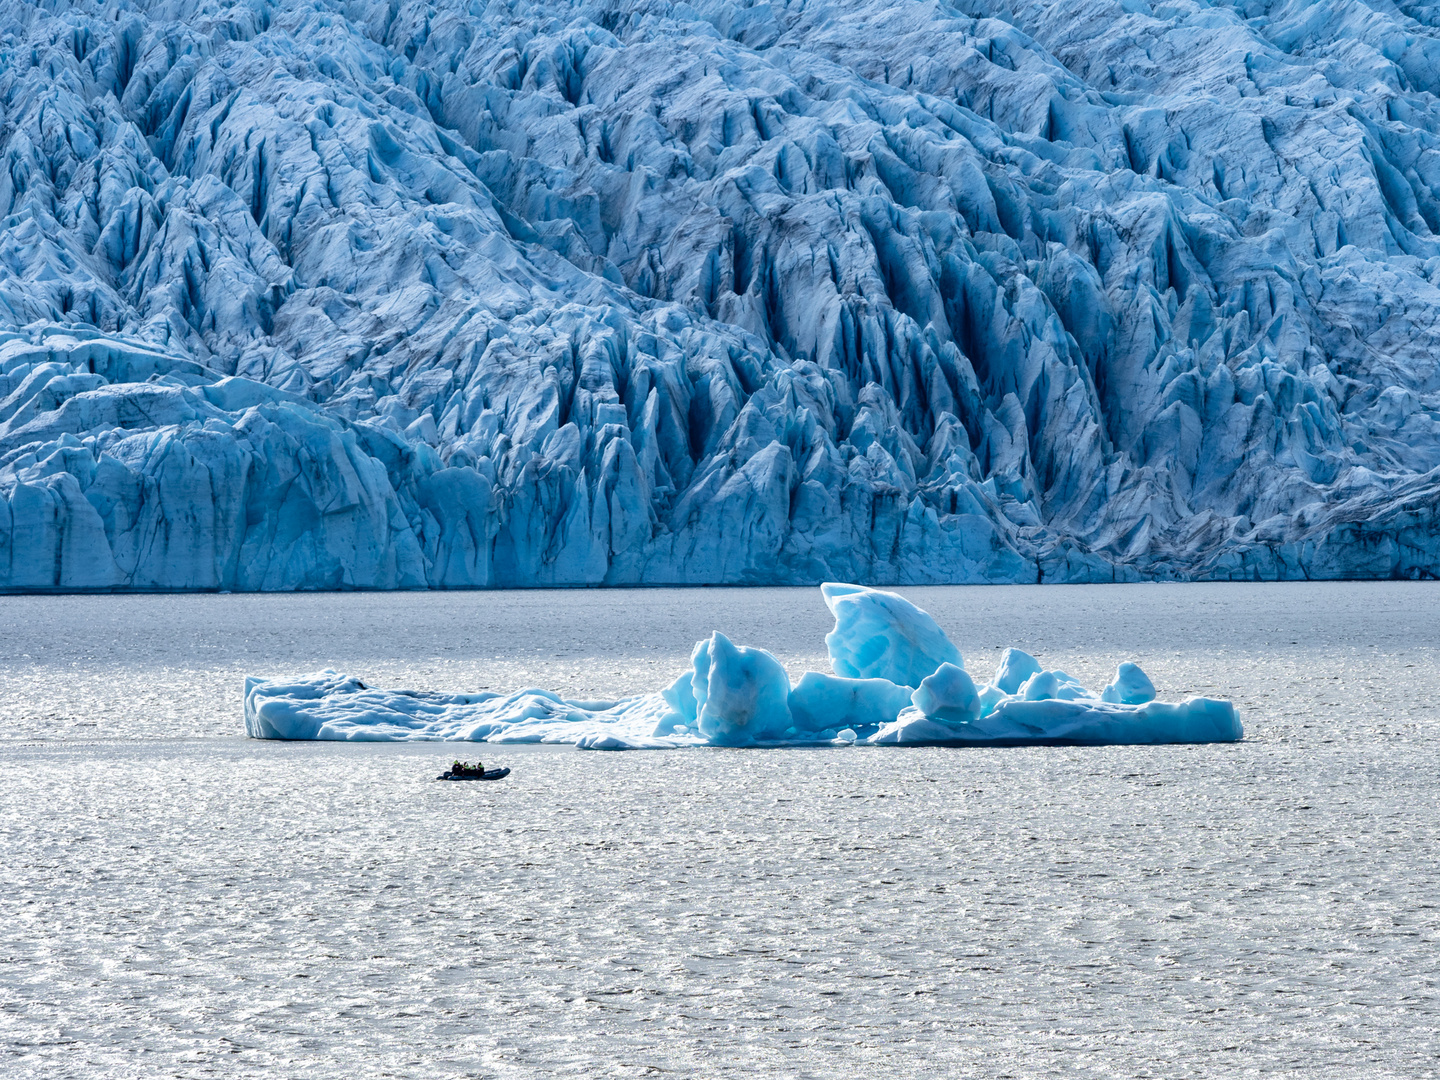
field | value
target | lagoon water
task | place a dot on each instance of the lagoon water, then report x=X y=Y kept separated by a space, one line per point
x=176 y=900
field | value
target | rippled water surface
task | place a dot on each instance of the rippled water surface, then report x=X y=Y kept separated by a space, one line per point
x=178 y=901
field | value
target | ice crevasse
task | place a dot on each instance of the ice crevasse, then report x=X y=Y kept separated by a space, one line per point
x=352 y=294
x=898 y=680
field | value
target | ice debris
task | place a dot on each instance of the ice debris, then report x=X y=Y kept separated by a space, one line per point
x=741 y=696
x=313 y=294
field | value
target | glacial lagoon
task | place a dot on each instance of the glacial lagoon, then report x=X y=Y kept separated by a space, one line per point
x=180 y=900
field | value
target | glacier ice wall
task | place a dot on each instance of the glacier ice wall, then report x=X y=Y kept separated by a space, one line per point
x=372 y=295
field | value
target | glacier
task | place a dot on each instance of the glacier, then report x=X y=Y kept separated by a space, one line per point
x=740 y=696
x=341 y=294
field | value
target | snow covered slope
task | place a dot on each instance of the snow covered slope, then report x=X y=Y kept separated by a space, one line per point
x=406 y=294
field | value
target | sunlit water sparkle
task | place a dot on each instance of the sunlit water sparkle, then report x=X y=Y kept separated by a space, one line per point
x=179 y=901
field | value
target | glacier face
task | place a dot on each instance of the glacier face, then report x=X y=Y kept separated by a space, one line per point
x=375 y=295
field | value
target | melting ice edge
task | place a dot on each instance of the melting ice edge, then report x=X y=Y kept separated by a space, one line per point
x=898 y=681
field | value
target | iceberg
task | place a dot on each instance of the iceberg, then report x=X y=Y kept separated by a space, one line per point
x=1130 y=687
x=330 y=706
x=820 y=703
x=1052 y=722
x=742 y=696
x=380 y=294
x=881 y=635
x=948 y=694
x=1016 y=668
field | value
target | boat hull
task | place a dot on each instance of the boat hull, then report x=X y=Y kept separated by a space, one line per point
x=488 y=774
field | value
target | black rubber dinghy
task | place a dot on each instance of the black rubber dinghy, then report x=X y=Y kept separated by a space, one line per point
x=474 y=774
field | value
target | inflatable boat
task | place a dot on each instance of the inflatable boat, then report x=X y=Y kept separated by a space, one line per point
x=474 y=774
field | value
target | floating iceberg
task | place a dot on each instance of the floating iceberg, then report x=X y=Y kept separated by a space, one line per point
x=879 y=635
x=741 y=696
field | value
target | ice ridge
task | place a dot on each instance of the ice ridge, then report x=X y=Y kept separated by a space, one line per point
x=741 y=696
x=349 y=294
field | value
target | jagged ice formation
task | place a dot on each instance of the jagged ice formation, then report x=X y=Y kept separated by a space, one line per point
x=741 y=696
x=373 y=295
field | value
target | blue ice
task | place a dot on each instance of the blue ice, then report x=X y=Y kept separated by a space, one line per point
x=880 y=635
x=742 y=694
x=897 y=680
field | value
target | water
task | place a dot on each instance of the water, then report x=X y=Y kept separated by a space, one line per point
x=179 y=901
